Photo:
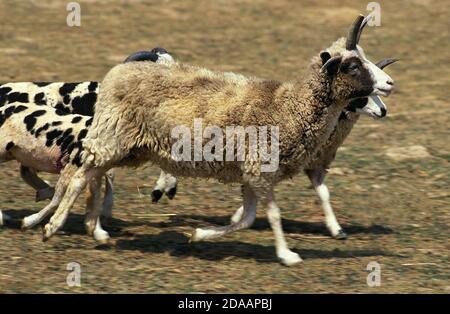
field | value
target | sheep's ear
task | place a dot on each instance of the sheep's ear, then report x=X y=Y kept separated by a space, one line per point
x=332 y=65
x=325 y=56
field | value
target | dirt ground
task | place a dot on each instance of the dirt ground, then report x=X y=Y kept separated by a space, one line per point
x=393 y=204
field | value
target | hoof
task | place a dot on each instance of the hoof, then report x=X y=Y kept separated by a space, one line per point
x=341 y=235
x=46 y=234
x=28 y=222
x=101 y=237
x=290 y=258
x=237 y=215
x=171 y=193
x=45 y=194
x=3 y=218
x=23 y=225
x=200 y=234
x=156 y=196
x=235 y=218
x=194 y=237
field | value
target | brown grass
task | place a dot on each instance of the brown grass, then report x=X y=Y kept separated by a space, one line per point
x=396 y=212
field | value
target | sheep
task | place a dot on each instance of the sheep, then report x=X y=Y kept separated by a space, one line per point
x=66 y=98
x=139 y=107
x=317 y=168
x=42 y=139
x=371 y=106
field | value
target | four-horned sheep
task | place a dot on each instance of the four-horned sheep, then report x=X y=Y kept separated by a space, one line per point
x=140 y=104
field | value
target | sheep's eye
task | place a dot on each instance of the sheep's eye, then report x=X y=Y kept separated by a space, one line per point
x=353 y=67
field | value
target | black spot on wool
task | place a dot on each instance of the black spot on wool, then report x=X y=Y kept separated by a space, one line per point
x=92 y=87
x=17 y=97
x=88 y=122
x=56 y=123
x=31 y=120
x=5 y=90
x=39 y=99
x=9 y=111
x=67 y=99
x=77 y=119
x=67 y=88
x=61 y=110
x=9 y=146
x=64 y=136
x=51 y=136
x=42 y=128
x=20 y=109
x=77 y=159
x=3 y=100
x=67 y=141
x=42 y=84
x=84 y=105
x=82 y=134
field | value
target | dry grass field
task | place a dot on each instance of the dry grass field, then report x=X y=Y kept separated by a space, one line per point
x=395 y=207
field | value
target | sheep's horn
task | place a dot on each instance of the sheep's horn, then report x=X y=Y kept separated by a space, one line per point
x=353 y=33
x=385 y=62
x=363 y=24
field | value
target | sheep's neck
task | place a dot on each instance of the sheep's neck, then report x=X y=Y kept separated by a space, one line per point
x=327 y=153
x=313 y=115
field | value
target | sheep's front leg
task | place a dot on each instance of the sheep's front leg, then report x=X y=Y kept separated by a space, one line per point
x=43 y=190
x=248 y=217
x=317 y=178
x=93 y=211
x=76 y=185
x=286 y=256
x=108 y=201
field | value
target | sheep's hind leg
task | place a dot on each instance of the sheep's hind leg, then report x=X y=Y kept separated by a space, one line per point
x=93 y=211
x=61 y=186
x=33 y=220
x=317 y=178
x=108 y=201
x=43 y=190
x=166 y=184
x=76 y=185
x=248 y=217
x=4 y=157
x=3 y=218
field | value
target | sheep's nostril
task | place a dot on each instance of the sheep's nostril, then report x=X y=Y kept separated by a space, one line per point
x=383 y=112
x=390 y=82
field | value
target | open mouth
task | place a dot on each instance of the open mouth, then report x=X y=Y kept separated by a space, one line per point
x=383 y=91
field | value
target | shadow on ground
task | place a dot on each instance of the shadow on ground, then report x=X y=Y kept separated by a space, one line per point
x=177 y=244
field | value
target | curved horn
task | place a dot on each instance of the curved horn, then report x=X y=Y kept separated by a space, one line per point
x=385 y=62
x=353 y=33
x=363 y=24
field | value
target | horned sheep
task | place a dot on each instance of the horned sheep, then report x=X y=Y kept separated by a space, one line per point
x=139 y=106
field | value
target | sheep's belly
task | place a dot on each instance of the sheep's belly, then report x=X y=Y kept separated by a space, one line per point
x=44 y=158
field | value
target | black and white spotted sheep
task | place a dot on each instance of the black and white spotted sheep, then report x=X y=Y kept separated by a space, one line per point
x=40 y=138
x=70 y=113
